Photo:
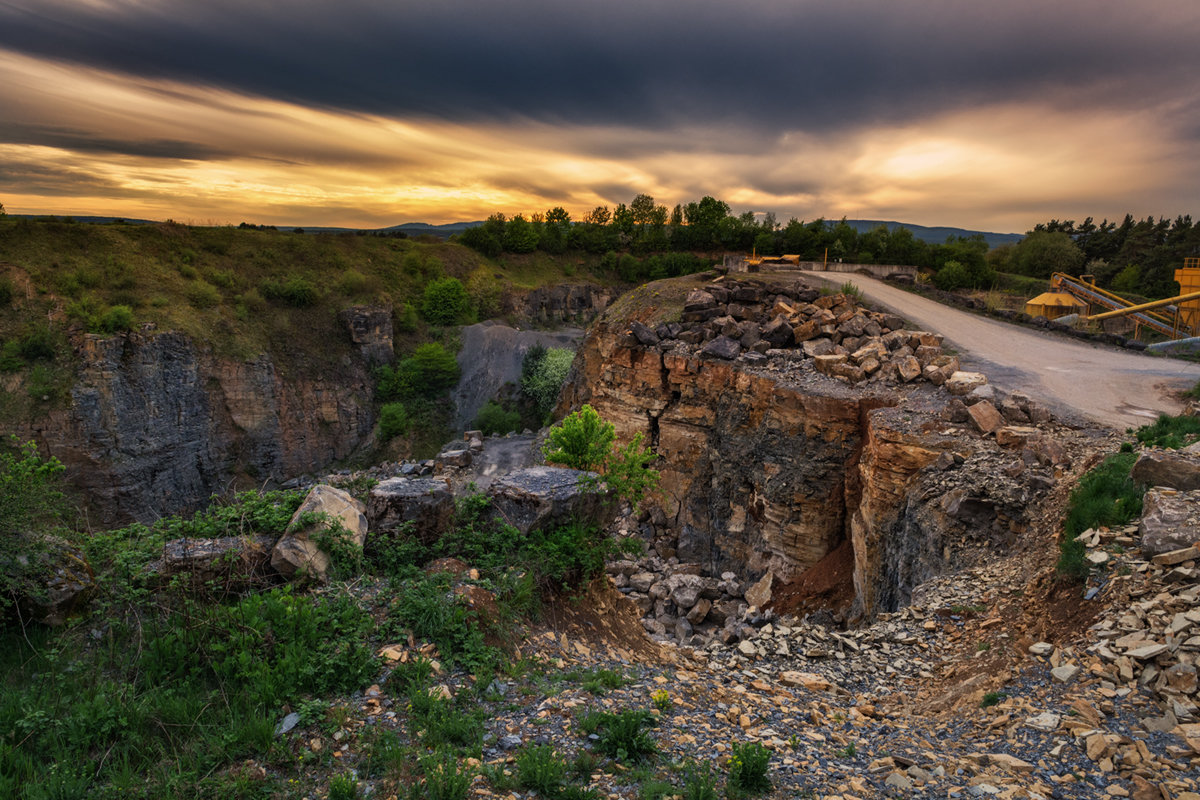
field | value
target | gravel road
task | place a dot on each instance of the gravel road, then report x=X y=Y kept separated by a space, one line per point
x=1077 y=380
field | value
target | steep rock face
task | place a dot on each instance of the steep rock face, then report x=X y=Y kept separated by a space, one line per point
x=156 y=425
x=755 y=473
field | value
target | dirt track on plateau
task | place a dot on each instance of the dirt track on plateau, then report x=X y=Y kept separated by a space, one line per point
x=1077 y=380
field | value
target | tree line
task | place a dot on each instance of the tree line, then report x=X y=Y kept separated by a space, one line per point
x=1136 y=257
x=708 y=226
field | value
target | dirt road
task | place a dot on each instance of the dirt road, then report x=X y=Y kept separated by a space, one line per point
x=1077 y=380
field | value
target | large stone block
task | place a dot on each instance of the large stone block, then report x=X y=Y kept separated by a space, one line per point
x=298 y=553
x=963 y=383
x=1170 y=521
x=537 y=498
x=426 y=503
x=1167 y=468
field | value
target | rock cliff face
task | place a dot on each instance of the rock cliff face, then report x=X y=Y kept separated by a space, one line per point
x=768 y=472
x=756 y=474
x=156 y=425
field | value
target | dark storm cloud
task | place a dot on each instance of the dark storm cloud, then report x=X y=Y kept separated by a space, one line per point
x=82 y=141
x=652 y=63
x=54 y=181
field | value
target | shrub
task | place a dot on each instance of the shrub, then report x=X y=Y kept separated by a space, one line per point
x=584 y=441
x=295 y=292
x=202 y=294
x=493 y=418
x=623 y=735
x=428 y=372
x=7 y=292
x=352 y=282
x=393 y=421
x=951 y=276
x=446 y=302
x=406 y=318
x=1170 y=432
x=748 y=768
x=343 y=787
x=37 y=343
x=117 y=318
x=699 y=782
x=543 y=372
x=31 y=501
x=444 y=780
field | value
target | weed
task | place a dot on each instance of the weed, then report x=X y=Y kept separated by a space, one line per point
x=849 y=751
x=656 y=790
x=992 y=699
x=443 y=778
x=343 y=787
x=1105 y=496
x=699 y=782
x=661 y=699
x=983 y=647
x=748 y=768
x=541 y=769
x=622 y=736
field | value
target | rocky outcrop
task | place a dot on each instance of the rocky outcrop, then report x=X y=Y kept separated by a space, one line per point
x=426 y=505
x=370 y=329
x=574 y=303
x=770 y=458
x=157 y=424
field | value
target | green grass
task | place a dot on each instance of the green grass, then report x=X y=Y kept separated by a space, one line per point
x=1170 y=432
x=1105 y=497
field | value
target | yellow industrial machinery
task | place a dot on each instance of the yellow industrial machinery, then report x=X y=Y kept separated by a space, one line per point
x=1142 y=316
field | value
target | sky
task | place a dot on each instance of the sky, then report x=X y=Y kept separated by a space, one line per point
x=366 y=113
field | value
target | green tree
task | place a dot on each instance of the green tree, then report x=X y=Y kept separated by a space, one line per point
x=520 y=235
x=1042 y=253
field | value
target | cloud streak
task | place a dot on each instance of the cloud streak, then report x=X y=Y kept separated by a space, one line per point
x=990 y=114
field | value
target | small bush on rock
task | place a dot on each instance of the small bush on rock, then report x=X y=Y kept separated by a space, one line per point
x=584 y=441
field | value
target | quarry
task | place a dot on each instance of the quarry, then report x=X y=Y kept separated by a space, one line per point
x=848 y=566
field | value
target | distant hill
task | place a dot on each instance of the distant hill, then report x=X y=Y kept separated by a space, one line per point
x=936 y=235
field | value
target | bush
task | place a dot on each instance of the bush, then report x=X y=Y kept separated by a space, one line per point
x=623 y=736
x=116 y=319
x=951 y=276
x=543 y=373
x=493 y=418
x=1170 y=432
x=428 y=372
x=393 y=421
x=37 y=343
x=584 y=441
x=7 y=292
x=446 y=302
x=31 y=501
x=541 y=769
x=295 y=292
x=202 y=294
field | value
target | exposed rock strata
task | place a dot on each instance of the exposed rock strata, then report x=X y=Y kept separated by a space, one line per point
x=157 y=424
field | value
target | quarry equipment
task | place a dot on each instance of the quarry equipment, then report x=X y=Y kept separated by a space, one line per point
x=1091 y=295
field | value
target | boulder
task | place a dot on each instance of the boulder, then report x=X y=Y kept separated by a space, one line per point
x=818 y=347
x=779 y=333
x=427 y=504
x=1170 y=521
x=722 y=347
x=1169 y=468
x=298 y=553
x=908 y=368
x=536 y=498
x=961 y=384
x=985 y=416
x=760 y=593
x=644 y=334
x=699 y=300
x=55 y=580
x=230 y=561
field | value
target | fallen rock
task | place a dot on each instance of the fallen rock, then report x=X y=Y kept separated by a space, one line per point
x=1170 y=468
x=424 y=506
x=298 y=553
x=1170 y=521
x=536 y=498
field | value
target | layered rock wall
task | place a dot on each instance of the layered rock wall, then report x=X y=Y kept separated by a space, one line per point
x=156 y=425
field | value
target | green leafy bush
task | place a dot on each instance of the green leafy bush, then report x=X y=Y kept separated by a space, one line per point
x=445 y=778
x=748 y=768
x=951 y=276
x=203 y=294
x=37 y=343
x=543 y=373
x=7 y=292
x=494 y=418
x=295 y=292
x=31 y=502
x=393 y=421
x=541 y=769
x=428 y=372
x=623 y=736
x=116 y=319
x=446 y=302
x=584 y=441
